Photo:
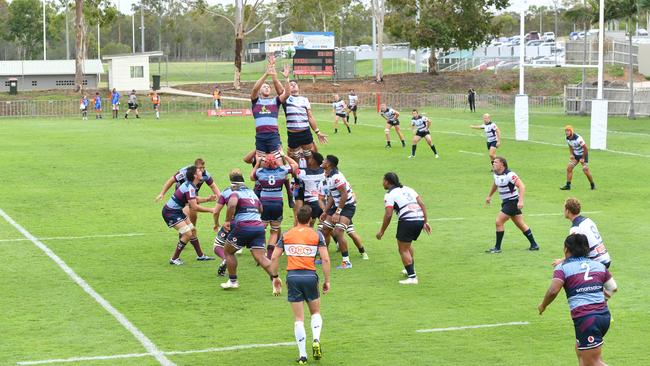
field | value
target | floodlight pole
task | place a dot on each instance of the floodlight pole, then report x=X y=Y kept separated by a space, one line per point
x=599 y=106
x=44 y=34
x=418 y=60
x=521 y=100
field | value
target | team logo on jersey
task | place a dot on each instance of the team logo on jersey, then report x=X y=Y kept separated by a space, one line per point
x=264 y=110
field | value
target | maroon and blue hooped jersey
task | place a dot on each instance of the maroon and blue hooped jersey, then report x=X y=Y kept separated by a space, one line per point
x=271 y=183
x=183 y=194
x=179 y=177
x=583 y=283
x=265 y=112
x=247 y=212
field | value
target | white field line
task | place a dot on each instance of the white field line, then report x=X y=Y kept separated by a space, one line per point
x=170 y=353
x=143 y=339
x=561 y=214
x=641 y=134
x=77 y=237
x=470 y=152
x=512 y=139
x=470 y=327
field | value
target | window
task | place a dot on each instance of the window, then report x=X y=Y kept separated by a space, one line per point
x=7 y=83
x=64 y=83
x=137 y=72
x=34 y=83
x=85 y=82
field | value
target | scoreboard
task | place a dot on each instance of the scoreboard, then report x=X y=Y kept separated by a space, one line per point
x=313 y=62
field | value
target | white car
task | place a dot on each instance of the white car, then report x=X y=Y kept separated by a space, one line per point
x=548 y=36
x=365 y=47
x=641 y=32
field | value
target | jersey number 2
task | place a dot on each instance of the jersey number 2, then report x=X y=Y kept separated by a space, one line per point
x=587 y=276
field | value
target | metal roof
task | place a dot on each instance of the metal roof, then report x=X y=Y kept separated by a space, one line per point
x=127 y=55
x=48 y=67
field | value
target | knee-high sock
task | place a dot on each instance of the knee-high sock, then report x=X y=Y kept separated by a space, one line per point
x=197 y=247
x=299 y=331
x=179 y=248
x=316 y=326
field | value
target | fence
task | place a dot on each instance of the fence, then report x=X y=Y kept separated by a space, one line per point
x=320 y=102
x=618 y=100
x=615 y=52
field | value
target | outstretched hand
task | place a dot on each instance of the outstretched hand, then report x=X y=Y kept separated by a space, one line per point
x=286 y=71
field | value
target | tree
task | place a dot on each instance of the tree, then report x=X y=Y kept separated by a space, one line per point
x=314 y=15
x=26 y=26
x=463 y=24
x=379 y=12
x=80 y=51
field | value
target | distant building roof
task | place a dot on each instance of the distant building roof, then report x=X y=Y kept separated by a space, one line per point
x=48 y=67
x=289 y=37
x=127 y=55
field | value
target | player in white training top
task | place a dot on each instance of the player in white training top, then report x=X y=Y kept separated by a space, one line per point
x=339 y=107
x=578 y=153
x=353 y=104
x=492 y=135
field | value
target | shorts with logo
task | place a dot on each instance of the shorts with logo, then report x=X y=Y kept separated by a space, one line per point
x=509 y=207
x=316 y=210
x=272 y=211
x=578 y=157
x=133 y=106
x=251 y=237
x=267 y=142
x=394 y=123
x=491 y=144
x=220 y=240
x=348 y=210
x=422 y=133
x=302 y=285
x=172 y=216
x=300 y=138
x=408 y=231
x=591 y=329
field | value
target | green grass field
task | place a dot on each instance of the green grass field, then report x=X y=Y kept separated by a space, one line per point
x=76 y=185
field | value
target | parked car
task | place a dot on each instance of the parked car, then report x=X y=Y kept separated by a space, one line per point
x=548 y=36
x=534 y=43
x=351 y=48
x=641 y=32
x=573 y=36
x=532 y=36
x=365 y=47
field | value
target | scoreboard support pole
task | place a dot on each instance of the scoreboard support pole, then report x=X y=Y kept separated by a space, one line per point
x=378 y=97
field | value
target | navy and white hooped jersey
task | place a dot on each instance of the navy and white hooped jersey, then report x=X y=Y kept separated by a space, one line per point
x=389 y=114
x=335 y=181
x=420 y=123
x=505 y=183
x=339 y=107
x=597 y=251
x=295 y=109
x=271 y=183
x=183 y=194
x=179 y=177
x=353 y=100
x=576 y=143
x=404 y=201
x=312 y=180
x=490 y=131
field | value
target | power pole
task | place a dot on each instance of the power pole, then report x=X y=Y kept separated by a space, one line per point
x=133 y=29
x=142 y=27
x=44 y=34
x=67 y=33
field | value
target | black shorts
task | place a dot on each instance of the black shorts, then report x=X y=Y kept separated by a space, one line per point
x=578 y=157
x=272 y=212
x=344 y=115
x=591 y=329
x=172 y=216
x=352 y=108
x=394 y=123
x=491 y=144
x=422 y=133
x=298 y=139
x=133 y=106
x=302 y=285
x=408 y=231
x=348 y=211
x=316 y=211
x=509 y=207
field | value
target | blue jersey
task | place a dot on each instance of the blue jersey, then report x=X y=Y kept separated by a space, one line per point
x=271 y=182
x=183 y=194
x=85 y=102
x=115 y=98
x=583 y=281
x=265 y=112
x=179 y=177
x=98 y=102
x=224 y=196
x=247 y=212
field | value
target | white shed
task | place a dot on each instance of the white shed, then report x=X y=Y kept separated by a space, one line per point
x=130 y=71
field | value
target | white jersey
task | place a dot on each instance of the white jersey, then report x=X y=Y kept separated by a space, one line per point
x=295 y=109
x=576 y=143
x=404 y=201
x=597 y=251
x=389 y=114
x=490 y=131
x=312 y=179
x=420 y=123
x=353 y=99
x=339 y=107
x=132 y=98
x=505 y=183
x=336 y=181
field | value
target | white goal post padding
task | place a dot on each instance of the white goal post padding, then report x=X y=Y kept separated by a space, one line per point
x=599 y=111
x=521 y=117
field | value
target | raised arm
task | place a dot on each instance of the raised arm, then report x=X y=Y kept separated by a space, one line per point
x=258 y=85
x=253 y=175
x=287 y=88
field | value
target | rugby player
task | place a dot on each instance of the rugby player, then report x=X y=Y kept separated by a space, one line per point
x=340 y=207
x=392 y=120
x=271 y=178
x=174 y=215
x=216 y=96
x=322 y=202
x=220 y=238
x=420 y=126
x=301 y=245
x=353 y=104
x=98 y=106
x=155 y=100
x=265 y=111
x=512 y=191
x=244 y=227
x=587 y=285
x=312 y=178
x=339 y=107
x=492 y=134
x=585 y=226
x=578 y=153
x=115 y=102
x=133 y=105
x=411 y=219
x=83 y=107
x=179 y=179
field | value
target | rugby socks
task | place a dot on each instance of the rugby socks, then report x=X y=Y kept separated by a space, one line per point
x=499 y=239
x=179 y=248
x=413 y=147
x=403 y=143
x=336 y=130
x=362 y=250
x=349 y=130
x=299 y=331
x=269 y=251
x=388 y=143
x=232 y=277
x=197 y=247
x=433 y=147
x=529 y=235
x=157 y=115
x=218 y=250
x=346 y=256
x=568 y=184
x=316 y=326
x=355 y=120
x=410 y=270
